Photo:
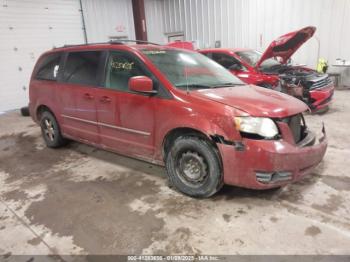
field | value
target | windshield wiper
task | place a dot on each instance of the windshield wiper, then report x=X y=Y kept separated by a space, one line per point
x=199 y=86
x=227 y=85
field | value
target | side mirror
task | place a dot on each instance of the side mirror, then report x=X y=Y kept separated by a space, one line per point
x=141 y=84
x=235 y=67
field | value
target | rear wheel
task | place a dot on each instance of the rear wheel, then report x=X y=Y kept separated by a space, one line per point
x=50 y=130
x=193 y=167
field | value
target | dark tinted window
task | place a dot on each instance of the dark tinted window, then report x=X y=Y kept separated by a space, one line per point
x=49 y=67
x=225 y=60
x=120 y=68
x=82 y=67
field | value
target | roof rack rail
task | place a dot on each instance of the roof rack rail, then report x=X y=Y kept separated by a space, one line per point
x=114 y=42
x=135 y=41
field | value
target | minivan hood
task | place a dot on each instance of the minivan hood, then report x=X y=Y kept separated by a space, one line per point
x=286 y=45
x=254 y=100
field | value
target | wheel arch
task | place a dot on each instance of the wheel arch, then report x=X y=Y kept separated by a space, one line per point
x=41 y=109
x=173 y=134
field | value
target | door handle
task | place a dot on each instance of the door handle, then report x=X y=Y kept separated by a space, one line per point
x=88 y=96
x=105 y=99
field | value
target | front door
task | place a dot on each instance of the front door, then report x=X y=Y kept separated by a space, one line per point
x=126 y=118
x=78 y=95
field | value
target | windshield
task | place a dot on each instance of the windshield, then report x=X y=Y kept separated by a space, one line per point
x=252 y=57
x=190 y=70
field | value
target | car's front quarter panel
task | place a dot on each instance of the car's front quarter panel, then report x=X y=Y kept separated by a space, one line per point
x=186 y=111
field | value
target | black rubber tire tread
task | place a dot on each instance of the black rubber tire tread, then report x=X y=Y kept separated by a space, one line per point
x=59 y=140
x=25 y=111
x=213 y=183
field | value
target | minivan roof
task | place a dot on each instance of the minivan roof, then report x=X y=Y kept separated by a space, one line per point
x=102 y=44
x=108 y=45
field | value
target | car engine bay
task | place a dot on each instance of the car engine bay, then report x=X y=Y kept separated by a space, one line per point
x=298 y=81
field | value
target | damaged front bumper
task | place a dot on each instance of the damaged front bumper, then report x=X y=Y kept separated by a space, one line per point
x=267 y=164
x=321 y=98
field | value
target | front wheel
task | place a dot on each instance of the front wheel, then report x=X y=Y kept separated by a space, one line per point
x=193 y=167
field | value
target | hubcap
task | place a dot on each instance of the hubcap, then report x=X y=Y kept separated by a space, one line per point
x=49 y=129
x=192 y=168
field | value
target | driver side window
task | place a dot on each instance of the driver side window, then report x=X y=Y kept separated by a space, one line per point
x=120 y=68
x=227 y=61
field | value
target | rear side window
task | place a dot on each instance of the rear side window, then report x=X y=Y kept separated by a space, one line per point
x=49 y=67
x=82 y=68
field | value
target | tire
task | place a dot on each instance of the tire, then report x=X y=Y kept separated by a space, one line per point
x=193 y=167
x=25 y=111
x=50 y=131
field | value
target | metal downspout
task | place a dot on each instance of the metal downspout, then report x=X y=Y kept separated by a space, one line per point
x=83 y=21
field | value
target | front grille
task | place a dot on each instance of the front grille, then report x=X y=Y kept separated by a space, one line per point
x=321 y=82
x=295 y=127
x=273 y=177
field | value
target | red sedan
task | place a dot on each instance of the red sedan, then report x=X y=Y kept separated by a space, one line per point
x=263 y=69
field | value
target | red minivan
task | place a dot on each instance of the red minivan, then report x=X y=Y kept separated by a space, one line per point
x=177 y=108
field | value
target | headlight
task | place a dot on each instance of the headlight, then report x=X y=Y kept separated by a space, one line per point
x=262 y=126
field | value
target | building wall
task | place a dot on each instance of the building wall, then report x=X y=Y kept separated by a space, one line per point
x=27 y=29
x=255 y=23
x=155 y=20
x=107 y=19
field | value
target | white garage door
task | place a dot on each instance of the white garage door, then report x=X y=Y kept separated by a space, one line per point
x=27 y=29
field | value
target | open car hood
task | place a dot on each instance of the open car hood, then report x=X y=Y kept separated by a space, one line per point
x=256 y=101
x=286 y=45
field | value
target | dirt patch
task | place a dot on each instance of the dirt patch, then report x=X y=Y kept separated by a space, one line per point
x=97 y=214
x=312 y=231
x=241 y=211
x=4 y=217
x=226 y=217
x=239 y=241
x=24 y=160
x=34 y=241
x=337 y=182
x=7 y=255
x=179 y=205
x=15 y=195
x=237 y=193
x=179 y=243
x=332 y=204
x=273 y=219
